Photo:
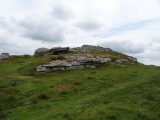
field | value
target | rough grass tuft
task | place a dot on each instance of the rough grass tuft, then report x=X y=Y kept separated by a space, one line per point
x=43 y=96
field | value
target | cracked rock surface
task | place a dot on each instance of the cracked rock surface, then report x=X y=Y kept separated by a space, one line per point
x=73 y=62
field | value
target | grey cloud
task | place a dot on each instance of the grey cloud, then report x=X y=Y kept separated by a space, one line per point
x=8 y=24
x=42 y=30
x=124 y=46
x=88 y=25
x=61 y=12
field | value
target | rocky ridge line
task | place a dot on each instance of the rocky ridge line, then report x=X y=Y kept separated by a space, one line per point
x=90 y=48
x=62 y=50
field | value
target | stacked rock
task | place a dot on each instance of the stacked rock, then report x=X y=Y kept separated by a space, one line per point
x=73 y=62
x=54 y=50
x=62 y=50
x=90 y=48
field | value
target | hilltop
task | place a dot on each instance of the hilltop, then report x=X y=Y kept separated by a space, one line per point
x=85 y=83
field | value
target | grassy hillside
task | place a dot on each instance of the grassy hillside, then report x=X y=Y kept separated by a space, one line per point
x=128 y=91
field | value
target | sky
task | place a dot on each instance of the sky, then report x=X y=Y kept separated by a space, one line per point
x=128 y=26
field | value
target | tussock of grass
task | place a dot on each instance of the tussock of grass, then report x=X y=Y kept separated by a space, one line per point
x=43 y=96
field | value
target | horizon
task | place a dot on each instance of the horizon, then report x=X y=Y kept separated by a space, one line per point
x=80 y=46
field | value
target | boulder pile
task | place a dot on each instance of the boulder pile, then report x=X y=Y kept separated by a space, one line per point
x=4 y=55
x=90 y=48
x=73 y=62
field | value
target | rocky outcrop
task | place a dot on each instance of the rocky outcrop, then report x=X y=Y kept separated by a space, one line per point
x=78 y=61
x=73 y=62
x=62 y=50
x=4 y=55
x=90 y=48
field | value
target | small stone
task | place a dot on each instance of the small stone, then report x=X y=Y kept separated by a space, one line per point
x=4 y=55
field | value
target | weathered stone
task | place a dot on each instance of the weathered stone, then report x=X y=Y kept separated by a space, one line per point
x=41 y=68
x=4 y=55
x=102 y=59
x=59 y=50
x=90 y=48
x=132 y=59
x=124 y=60
x=118 y=61
x=54 y=50
x=74 y=62
x=62 y=63
x=121 y=60
x=41 y=50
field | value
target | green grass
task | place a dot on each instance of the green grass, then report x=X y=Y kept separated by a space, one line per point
x=110 y=92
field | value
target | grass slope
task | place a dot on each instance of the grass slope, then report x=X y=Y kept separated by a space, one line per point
x=110 y=92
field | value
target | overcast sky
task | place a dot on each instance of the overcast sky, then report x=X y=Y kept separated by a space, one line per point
x=128 y=26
